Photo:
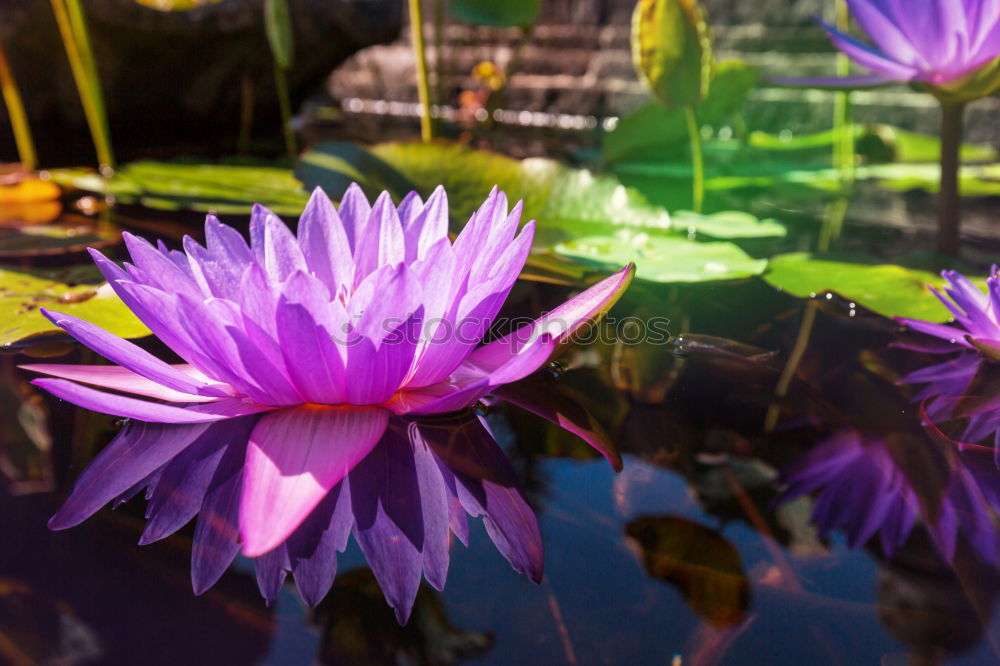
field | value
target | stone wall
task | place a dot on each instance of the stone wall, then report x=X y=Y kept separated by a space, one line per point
x=577 y=61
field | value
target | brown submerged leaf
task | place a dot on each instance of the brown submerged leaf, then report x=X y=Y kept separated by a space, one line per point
x=698 y=561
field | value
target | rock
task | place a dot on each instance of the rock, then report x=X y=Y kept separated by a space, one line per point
x=172 y=80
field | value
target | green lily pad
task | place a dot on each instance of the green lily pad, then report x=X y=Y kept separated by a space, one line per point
x=666 y=259
x=23 y=293
x=563 y=200
x=876 y=142
x=226 y=189
x=888 y=289
x=728 y=225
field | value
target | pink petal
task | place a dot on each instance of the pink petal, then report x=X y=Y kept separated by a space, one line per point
x=294 y=457
x=116 y=378
x=129 y=355
x=119 y=405
x=427 y=227
x=560 y=323
x=324 y=242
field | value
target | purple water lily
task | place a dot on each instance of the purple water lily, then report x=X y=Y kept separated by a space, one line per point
x=949 y=47
x=861 y=490
x=951 y=391
x=309 y=363
x=937 y=43
x=977 y=316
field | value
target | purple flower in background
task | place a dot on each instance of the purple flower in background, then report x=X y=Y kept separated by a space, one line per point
x=861 y=489
x=939 y=43
x=309 y=363
x=977 y=316
x=950 y=391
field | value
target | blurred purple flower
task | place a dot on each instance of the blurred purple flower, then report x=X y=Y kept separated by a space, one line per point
x=309 y=362
x=935 y=42
x=861 y=489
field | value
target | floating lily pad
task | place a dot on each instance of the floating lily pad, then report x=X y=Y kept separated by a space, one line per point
x=666 y=259
x=73 y=233
x=728 y=225
x=558 y=197
x=226 y=189
x=876 y=142
x=888 y=289
x=23 y=293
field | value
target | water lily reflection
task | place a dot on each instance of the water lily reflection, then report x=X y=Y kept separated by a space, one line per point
x=964 y=386
x=867 y=484
x=309 y=357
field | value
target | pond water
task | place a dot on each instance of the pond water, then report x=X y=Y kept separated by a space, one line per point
x=693 y=554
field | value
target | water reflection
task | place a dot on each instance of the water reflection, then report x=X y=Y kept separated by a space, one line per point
x=882 y=484
x=356 y=627
x=700 y=562
x=720 y=541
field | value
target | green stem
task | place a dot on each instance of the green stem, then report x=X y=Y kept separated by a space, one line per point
x=697 y=163
x=420 y=56
x=73 y=29
x=17 y=114
x=843 y=147
x=285 y=104
x=791 y=365
x=246 y=115
x=949 y=214
x=833 y=223
x=438 y=23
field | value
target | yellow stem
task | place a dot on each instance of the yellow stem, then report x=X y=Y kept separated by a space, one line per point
x=73 y=29
x=419 y=55
x=18 y=116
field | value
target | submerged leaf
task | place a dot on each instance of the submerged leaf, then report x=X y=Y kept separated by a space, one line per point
x=701 y=563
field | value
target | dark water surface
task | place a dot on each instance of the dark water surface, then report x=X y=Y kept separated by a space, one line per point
x=690 y=555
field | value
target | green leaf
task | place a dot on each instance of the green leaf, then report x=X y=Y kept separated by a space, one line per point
x=672 y=50
x=876 y=142
x=505 y=14
x=335 y=165
x=225 y=189
x=657 y=132
x=728 y=225
x=888 y=289
x=562 y=200
x=23 y=293
x=666 y=259
x=65 y=237
x=281 y=37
